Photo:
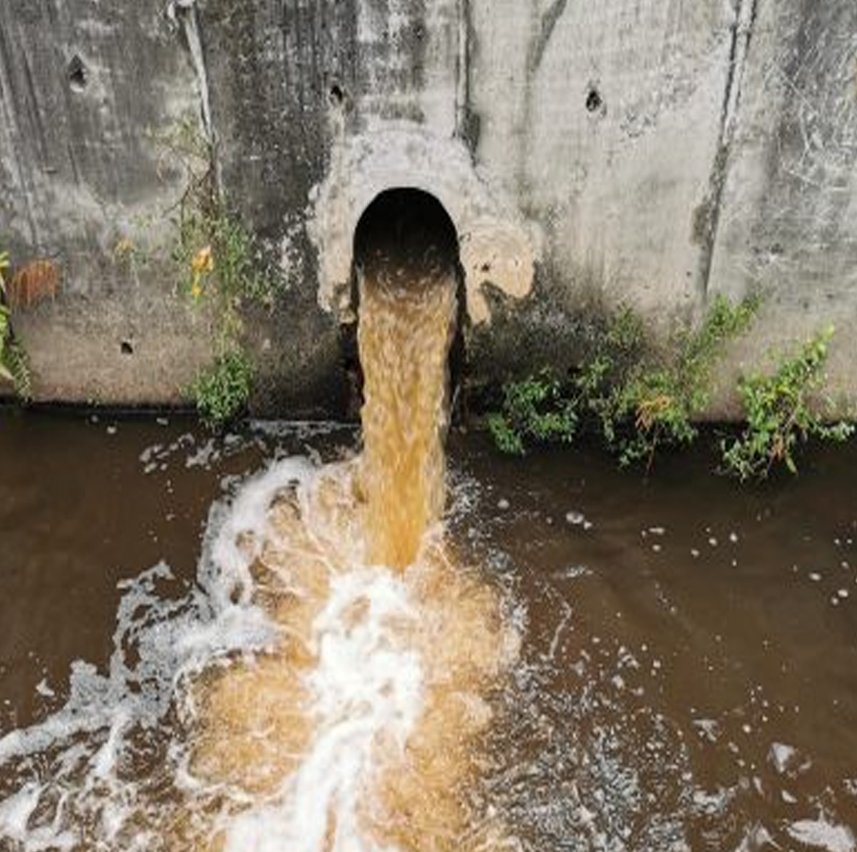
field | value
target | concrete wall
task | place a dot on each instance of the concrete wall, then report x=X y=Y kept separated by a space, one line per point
x=653 y=152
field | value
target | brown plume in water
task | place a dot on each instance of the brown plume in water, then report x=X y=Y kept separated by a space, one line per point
x=360 y=730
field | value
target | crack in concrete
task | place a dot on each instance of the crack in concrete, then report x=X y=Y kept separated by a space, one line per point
x=183 y=13
x=742 y=33
x=462 y=61
x=467 y=119
x=535 y=55
x=11 y=133
x=549 y=22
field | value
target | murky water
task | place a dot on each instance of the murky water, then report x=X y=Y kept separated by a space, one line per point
x=687 y=677
x=690 y=674
x=275 y=641
x=323 y=681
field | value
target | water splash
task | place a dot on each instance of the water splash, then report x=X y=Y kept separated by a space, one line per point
x=322 y=687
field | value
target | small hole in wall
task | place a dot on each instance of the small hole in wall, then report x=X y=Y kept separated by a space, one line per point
x=486 y=267
x=337 y=95
x=126 y=348
x=593 y=100
x=77 y=74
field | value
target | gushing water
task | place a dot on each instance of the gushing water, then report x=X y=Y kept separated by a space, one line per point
x=404 y=336
x=374 y=696
x=324 y=687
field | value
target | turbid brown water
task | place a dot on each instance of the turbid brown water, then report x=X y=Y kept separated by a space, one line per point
x=688 y=671
x=358 y=729
x=324 y=686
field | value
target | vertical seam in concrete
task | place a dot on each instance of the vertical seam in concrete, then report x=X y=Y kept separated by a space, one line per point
x=467 y=119
x=742 y=32
x=462 y=69
x=185 y=12
x=33 y=99
x=535 y=54
x=191 y=28
x=7 y=98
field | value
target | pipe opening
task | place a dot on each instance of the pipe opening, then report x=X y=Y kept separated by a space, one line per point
x=406 y=238
x=407 y=233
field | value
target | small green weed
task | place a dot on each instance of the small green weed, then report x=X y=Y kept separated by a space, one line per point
x=658 y=403
x=221 y=268
x=533 y=409
x=219 y=261
x=221 y=392
x=780 y=415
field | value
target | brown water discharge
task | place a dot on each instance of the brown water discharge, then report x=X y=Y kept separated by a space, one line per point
x=686 y=678
x=405 y=330
x=407 y=274
x=359 y=731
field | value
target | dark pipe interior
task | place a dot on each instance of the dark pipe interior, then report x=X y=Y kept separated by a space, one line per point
x=405 y=229
x=407 y=234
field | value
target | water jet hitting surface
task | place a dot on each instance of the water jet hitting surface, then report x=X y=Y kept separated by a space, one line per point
x=332 y=674
x=391 y=645
x=377 y=692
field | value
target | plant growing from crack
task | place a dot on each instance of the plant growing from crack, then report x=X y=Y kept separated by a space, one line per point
x=221 y=270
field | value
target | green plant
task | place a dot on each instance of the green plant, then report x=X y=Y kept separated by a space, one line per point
x=533 y=409
x=221 y=391
x=221 y=269
x=780 y=414
x=219 y=260
x=598 y=384
x=658 y=403
x=14 y=365
x=636 y=398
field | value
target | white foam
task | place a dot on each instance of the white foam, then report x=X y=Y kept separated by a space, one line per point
x=367 y=696
x=69 y=765
x=782 y=756
x=823 y=835
x=240 y=535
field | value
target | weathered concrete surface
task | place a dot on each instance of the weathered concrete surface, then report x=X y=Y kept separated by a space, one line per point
x=604 y=120
x=90 y=99
x=652 y=152
x=83 y=91
x=788 y=216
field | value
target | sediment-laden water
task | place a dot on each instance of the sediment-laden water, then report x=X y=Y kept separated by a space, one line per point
x=323 y=686
x=304 y=637
x=685 y=679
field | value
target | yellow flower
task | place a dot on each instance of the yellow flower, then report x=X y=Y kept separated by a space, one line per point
x=203 y=261
x=195 y=287
x=124 y=247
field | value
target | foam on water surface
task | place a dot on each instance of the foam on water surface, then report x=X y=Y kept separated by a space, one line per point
x=322 y=685
x=80 y=760
x=286 y=701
